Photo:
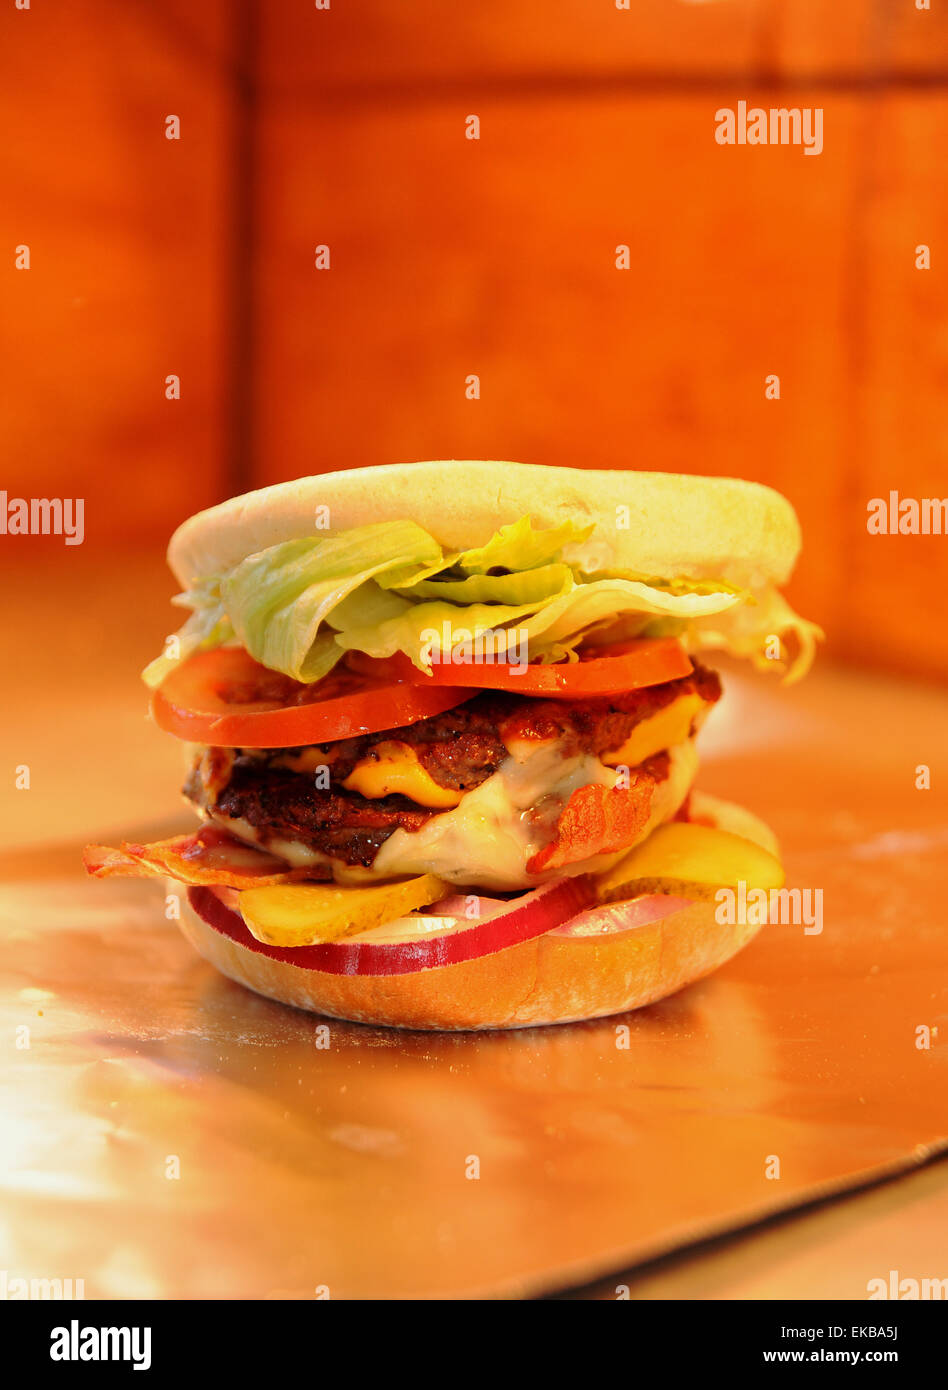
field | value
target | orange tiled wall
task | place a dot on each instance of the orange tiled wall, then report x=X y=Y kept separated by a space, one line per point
x=495 y=257
x=131 y=258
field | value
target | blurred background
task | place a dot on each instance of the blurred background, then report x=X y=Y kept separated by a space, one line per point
x=345 y=127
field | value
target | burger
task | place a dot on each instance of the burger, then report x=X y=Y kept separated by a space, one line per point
x=440 y=724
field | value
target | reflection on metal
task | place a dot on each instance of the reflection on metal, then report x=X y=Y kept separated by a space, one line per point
x=167 y=1133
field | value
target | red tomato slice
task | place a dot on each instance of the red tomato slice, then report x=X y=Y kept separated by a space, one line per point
x=226 y=698
x=626 y=666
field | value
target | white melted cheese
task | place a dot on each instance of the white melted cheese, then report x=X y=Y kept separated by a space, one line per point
x=487 y=840
x=489 y=837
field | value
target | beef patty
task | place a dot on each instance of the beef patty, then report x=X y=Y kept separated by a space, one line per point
x=459 y=750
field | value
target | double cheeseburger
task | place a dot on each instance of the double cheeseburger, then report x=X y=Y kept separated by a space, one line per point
x=440 y=724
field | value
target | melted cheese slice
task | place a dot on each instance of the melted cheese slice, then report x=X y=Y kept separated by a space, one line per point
x=394 y=767
x=487 y=840
x=306 y=760
x=391 y=767
x=670 y=726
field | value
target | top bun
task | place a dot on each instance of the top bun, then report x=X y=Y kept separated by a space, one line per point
x=675 y=525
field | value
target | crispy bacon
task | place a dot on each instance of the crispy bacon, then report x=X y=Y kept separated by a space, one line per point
x=208 y=856
x=601 y=820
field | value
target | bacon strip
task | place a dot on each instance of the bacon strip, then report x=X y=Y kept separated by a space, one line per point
x=209 y=856
x=601 y=820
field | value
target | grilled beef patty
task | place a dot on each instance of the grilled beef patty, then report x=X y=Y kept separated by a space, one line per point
x=459 y=750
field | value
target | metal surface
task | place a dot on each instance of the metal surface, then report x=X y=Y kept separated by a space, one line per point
x=350 y=1167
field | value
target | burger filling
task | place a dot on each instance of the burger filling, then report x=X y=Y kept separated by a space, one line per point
x=372 y=717
x=479 y=795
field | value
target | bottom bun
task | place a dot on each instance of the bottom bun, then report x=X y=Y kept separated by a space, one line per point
x=546 y=980
x=550 y=979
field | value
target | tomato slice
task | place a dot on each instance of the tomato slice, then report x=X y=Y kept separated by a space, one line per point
x=626 y=666
x=224 y=697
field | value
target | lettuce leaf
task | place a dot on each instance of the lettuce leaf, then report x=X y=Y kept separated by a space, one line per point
x=278 y=598
x=532 y=586
x=545 y=624
x=681 y=584
x=756 y=631
x=520 y=547
x=517 y=549
x=208 y=626
x=387 y=587
x=429 y=630
x=368 y=605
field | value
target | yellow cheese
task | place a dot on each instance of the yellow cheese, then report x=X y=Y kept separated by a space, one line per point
x=665 y=729
x=391 y=767
x=394 y=767
x=306 y=760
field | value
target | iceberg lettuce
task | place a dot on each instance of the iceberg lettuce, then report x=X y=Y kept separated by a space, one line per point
x=387 y=587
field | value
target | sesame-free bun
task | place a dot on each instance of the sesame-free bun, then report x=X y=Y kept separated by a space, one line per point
x=662 y=524
x=550 y=979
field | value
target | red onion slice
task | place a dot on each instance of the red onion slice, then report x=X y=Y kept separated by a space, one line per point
x=612 y=919
x=531 y=915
